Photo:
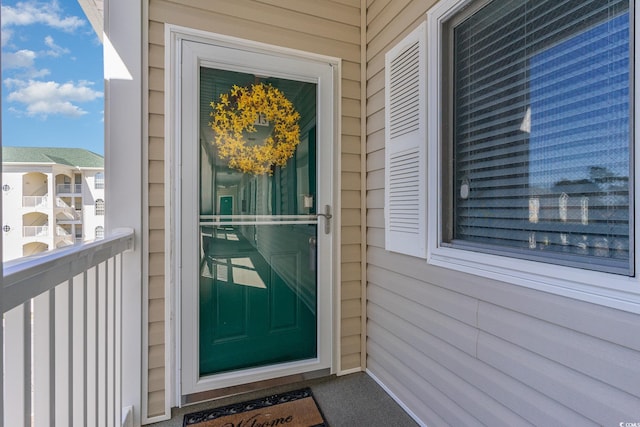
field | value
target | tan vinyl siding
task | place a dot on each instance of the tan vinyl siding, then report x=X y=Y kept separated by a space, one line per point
x=324 y=27
x=458 y=349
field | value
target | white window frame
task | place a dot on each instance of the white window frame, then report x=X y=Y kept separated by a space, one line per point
x=612 y=290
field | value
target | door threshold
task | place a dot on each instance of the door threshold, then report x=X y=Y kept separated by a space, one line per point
x=203 y=396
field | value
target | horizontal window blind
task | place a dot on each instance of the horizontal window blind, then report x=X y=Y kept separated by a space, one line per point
x=541 y=132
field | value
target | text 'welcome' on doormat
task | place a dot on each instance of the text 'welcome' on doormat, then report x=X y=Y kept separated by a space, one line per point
x=293 y=409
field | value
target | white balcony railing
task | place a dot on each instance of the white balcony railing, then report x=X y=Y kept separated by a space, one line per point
x=69 y=188
x=40 y=202
x=35 y=231
x=63 y=335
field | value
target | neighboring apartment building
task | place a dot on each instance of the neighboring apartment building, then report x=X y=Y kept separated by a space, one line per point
x=52 y=197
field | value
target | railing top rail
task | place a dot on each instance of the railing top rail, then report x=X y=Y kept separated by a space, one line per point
x=29 y=277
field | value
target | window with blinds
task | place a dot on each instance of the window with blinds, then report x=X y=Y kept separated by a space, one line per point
x=539 y=149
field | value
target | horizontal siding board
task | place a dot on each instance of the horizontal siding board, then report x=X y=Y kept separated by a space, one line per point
x=156 y=171
x=527 y=403
x=350 y=344
x=375 y=238
x=156 y=79
x=331 y=11
x=208 y=20
x=351 y=308
x=257 y=13
x=375 y=142
x=374 y=9
x=351 y=107
x=156 y=218
x=156 y=56
x=156 y=240
x=375 y=219
x=375 y=161
x=375 y=102
x=452 y=331
x=375 y=198
x=155 y=405
x=156 y=125
x=156 y=379
x=156 y=33
x=156 y=195
x=427 y=382
x=350 y=326
x=350 y=361
x=409 y=394
x=350 y=199
x=351 y=144
x=609 y=363
x=351 y=235
x=351 y=289
x=595 y=400
x=156 y=287
x=350 y=162
x=156 y=356
x=388 y=17
x=156 y=102
x=156 y=310
x=156 y=149
x=452 y=304
x=375 y=180
x=350 y=217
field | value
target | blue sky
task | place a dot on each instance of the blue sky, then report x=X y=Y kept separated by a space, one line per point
x=52 y=76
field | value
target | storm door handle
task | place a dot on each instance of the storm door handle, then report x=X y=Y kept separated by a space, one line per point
x=327 y=218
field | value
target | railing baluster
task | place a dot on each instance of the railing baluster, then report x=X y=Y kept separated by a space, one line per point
x=92 y=346
x=17 y=375
x=102 y=348
x=111 y=340
x=118 y=337
x=43 y=320
x=78 y=367
x=62 y=355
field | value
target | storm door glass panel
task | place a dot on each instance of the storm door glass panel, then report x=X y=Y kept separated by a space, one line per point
x=258 y=263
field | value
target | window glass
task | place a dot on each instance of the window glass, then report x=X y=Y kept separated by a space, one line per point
x=539 y=101
x=99 y=207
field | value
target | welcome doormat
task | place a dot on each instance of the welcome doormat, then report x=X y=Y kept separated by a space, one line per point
x=293 y=409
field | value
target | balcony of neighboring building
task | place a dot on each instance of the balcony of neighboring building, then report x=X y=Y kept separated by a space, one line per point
x=35 y=227
x=35 y=192
x=65 y=186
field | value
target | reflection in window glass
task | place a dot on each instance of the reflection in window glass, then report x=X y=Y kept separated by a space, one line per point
x=541 y=107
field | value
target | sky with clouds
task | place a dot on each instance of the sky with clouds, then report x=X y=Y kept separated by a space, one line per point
x=52 y=76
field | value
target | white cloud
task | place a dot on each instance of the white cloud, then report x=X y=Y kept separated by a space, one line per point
x=21 y=59
x=54 y=49
x=5 y=36
x=51 y=98
x=33 y=12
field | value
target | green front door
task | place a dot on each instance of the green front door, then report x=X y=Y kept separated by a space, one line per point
x=257 y=290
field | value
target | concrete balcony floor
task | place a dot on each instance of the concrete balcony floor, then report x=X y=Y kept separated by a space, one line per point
x=353 y=400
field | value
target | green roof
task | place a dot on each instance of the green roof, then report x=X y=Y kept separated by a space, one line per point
x=76 y=157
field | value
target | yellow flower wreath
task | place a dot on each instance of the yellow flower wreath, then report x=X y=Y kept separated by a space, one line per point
x=238 y=111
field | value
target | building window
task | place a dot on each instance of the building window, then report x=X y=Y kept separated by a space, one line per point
x=6 y=187
x=99 y=232
x=99 y=177
x=99 y=207
x=534 y=141
x=6 y=228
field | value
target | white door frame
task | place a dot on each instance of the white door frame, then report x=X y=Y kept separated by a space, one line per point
x=193 y=48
